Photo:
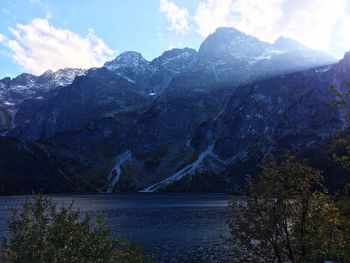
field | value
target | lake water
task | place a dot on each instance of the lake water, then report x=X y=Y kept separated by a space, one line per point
x=174 y=227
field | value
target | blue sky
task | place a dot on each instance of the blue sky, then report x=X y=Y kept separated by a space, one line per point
x=36 y=35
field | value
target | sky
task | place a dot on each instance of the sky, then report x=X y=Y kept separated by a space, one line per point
x=37 y=35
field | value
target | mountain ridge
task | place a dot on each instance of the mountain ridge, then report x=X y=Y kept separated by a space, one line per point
x=184 y=120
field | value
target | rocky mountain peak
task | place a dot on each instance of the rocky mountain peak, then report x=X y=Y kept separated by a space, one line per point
x=287 y=44
x=6 y=80
x=48 y=73
x=69 y=74
x=176 y=52
x=129 y=59
x=227 y=43
x=61 y=77
x=229 y=32
x=176 y=59
x=346 y=58
x=343 y=67
x=24 y=79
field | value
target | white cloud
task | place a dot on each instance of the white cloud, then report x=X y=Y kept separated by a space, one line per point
x=258 y=18
x=314 y=23
x=311 y=22
x=213 y=14
x=343 y=34
x=2 y=38
x=39 y=46
x=178 y=17
x=308 y=21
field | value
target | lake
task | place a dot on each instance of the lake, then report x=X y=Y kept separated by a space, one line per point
x=174 y=227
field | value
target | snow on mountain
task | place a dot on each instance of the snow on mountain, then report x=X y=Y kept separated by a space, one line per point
x=189 y=170
x=115 y=173
x=130 y=59
x=176 y=60
x=64 y=77
x=27 y=86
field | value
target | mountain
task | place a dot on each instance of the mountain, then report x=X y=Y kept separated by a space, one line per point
x=230 y=44
x=27 y=167
x=186 y=121
x=288 y=44
x=241 y=57
x=14 y=92
x=286 y=112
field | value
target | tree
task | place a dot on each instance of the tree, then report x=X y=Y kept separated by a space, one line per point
x=287 y=217
x=43 y=232
x=343 y=196
x=342 y=101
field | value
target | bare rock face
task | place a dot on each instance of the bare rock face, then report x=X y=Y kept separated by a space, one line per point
x=185 y=121
x=27 y=87
x=341 y=71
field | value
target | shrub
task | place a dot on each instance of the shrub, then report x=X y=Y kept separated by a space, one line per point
x=43 y=232
x=288 y=217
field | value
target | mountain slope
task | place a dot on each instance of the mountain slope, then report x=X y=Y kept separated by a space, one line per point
x=185 y=121
x=14 y=92
x=27 y=167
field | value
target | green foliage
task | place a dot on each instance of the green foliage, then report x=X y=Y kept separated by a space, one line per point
x=342 y=101
x=343 y=159
x=287 y=217
x=43 y=232
x=343 y=202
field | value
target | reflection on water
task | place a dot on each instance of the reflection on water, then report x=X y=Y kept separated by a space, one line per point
x=175 y=227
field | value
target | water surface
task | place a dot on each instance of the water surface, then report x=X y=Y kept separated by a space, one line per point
x=175 y=227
